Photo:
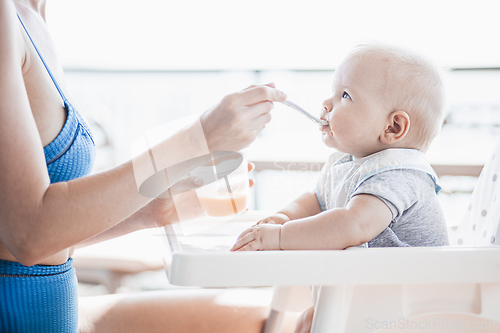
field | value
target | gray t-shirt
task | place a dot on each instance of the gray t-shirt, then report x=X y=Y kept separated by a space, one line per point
x=402 y=179
x=417 y=217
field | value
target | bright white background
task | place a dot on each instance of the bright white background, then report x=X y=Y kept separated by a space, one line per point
x=267 y=34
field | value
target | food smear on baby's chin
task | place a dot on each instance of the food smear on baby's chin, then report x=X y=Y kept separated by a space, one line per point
x=330 y=126
x=325 y=128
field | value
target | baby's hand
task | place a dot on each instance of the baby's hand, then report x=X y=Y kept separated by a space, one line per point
x=278 y=218
x=258 y=238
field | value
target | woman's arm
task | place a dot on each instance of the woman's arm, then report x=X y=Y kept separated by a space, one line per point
x=39 y=219
x=160 y=211
x=157 y=213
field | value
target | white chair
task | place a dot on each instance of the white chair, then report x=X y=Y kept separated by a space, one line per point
x=426 y=300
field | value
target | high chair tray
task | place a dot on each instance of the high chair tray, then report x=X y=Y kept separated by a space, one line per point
x=203 y=259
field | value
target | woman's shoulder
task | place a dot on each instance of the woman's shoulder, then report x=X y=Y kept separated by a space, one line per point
x=11 y=43
x=7 y=16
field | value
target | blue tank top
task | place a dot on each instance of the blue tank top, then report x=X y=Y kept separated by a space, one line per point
x=72 y=153
x=44 y=299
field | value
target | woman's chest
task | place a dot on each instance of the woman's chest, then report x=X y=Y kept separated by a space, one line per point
x=45 y=100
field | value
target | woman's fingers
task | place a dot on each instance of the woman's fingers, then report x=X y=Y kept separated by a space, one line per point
x=235 y=122
x=261 y=121
x=259 y=94
x=304 y=323
x=186 y=184
x=251 y=166
x=261 y=108
x=271 y=84
x=250 y=87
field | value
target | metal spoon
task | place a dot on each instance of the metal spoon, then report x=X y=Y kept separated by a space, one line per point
x=305 y=113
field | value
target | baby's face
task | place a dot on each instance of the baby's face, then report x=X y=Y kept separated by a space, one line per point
x=357 y=112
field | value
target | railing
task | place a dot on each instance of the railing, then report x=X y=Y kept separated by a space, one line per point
x=441 y=169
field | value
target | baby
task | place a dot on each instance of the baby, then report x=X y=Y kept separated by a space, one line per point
x=377 y=190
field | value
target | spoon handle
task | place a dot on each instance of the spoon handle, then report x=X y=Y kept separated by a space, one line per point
x=304 y=112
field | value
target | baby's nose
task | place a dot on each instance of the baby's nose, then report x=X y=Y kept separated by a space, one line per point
x=324 y=111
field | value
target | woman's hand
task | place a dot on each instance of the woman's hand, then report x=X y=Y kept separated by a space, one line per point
x=304 y=322
x=156 y=213
x=162 y=210
x=238 y=118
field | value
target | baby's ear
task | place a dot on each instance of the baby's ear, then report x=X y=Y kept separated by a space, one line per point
x=397 y=127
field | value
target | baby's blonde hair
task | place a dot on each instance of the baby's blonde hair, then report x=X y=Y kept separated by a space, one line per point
x=417 y=88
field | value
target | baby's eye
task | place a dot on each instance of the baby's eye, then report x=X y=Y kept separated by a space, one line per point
x=346 y=95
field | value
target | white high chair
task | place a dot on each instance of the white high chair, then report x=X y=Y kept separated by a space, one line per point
x=463 y=279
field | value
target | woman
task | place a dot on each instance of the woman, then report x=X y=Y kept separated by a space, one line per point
x=49 y=204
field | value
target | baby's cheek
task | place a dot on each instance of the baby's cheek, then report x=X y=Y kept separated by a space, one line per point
x=340 y=124
x=341 y=116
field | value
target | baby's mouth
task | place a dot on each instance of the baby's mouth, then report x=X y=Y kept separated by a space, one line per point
x=327 y=129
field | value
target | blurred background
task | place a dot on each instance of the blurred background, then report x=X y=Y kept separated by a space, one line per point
x=133 y=65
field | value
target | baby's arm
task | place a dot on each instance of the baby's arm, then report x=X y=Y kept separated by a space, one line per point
x=363 y=219
x=304 y=206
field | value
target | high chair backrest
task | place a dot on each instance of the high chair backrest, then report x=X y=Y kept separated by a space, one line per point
x=480 y=225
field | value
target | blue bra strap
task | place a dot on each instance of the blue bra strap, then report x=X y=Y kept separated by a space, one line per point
x=43 y=61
